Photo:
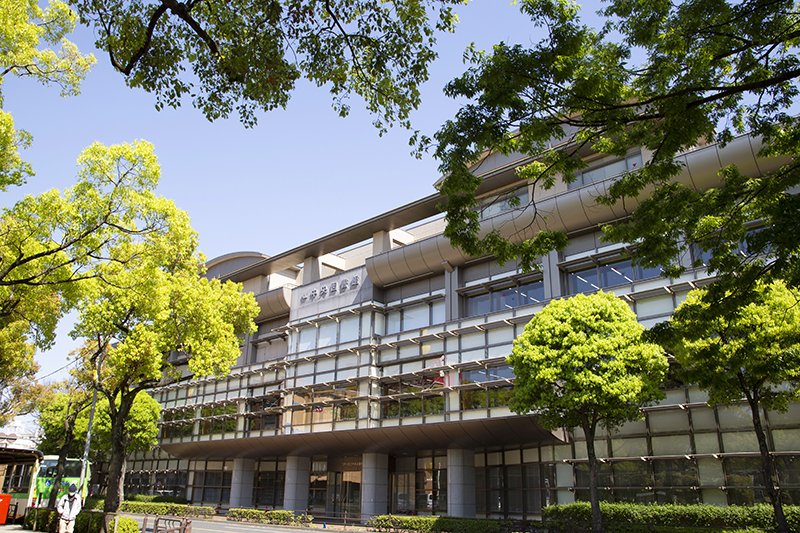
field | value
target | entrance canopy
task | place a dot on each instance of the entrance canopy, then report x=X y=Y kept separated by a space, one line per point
x=468 y=434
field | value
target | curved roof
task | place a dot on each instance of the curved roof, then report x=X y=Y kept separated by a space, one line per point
x=225 y=264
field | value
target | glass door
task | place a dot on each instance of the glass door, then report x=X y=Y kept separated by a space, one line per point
x=345 y=492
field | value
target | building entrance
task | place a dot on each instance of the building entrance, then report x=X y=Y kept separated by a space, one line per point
x=346 y=494
x=335 y=487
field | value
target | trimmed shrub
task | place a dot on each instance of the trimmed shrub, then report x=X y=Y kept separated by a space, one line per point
x=166 y=509
x=668 y=518
x=436 y=524
x=157 y=498
x=276 y=516
x=93 y=504
x=86 y=521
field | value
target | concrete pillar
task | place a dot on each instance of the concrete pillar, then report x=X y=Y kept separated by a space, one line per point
x=452 y=299
x=295 y=493
x=311 y=269
x=461 y=483
x=242 y=483
x=552 y=275
x=374 y=485
x=383 y=241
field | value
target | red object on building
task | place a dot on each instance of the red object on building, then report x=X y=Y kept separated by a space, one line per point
x=5 y=501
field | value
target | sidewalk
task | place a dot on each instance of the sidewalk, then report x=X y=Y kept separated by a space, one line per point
x=11 y=527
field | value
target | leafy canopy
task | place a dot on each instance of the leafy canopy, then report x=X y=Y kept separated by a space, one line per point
x=660 y=75
x=141 y=426
x=747 y=348
x=149 y=298
x=247 y=56
x=582 y=361
x=148 y=309
x=25 y=31
x=51 y=244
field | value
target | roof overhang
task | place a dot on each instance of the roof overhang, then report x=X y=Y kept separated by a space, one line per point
x=470 y=434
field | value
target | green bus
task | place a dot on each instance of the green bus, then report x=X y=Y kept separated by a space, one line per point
x=47 y=473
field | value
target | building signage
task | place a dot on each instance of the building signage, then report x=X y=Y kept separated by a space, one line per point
x=331 y=294
x=331 y=289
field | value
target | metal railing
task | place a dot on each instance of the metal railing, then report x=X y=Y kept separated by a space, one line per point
x=163 y=524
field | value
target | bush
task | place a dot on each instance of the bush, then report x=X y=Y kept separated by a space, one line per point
x=166 y=509
x=269 y=517
x=157 y=498
x=86 y=522
x=434 y=524
x=669 y=518
x=94 y=504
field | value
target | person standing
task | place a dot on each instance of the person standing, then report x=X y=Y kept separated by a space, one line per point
x=68 y=508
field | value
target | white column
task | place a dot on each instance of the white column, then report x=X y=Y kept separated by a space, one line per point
x=295 y=494
x=242 y=483
x=461 y=483
x=374 y=485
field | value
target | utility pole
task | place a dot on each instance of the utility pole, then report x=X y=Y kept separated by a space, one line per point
x=85 y=459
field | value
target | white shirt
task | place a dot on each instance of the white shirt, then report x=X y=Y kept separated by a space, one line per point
x=68 y=508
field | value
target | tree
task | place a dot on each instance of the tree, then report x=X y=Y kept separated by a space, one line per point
x=581 y=362
x=140 y=431
x=745 y=349
x=147 y=314
x=50 y=244
x=17 y=371
x=248 y=56
x=64 y=420
x=25 y=28
x=661 y=75
x=58 y=413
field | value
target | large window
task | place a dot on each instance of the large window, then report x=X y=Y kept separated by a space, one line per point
x=327 y=333
x=171 y=483
x=218 y=419
x=506 y=487
x=178 y=423
x=264 y=413
x=504 y=297
x=415 y=316
x=212 y=482
x=606 y=170
x=495 y=205
x=419 y=396
x=268 y=484
x=608 y=274
x=496 y=392
x=431 y=484
x=326 y=405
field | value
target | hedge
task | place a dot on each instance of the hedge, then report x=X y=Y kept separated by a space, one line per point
x=269 y=517
x=668 y=518
x=86 y=521
x=156 y=498
x=435 y=524
x=166 y=509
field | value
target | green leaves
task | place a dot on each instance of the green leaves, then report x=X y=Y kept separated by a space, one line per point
x=24 y=30
x=247 y=56
x=663 y=76
x=583 y=359
x=749 y=345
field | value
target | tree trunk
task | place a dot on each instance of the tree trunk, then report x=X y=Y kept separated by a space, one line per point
x=69 y=434
x=594 y=498
x=116 y=465
x=767 y=466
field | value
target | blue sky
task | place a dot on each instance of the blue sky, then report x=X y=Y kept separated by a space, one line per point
x=299 y=174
